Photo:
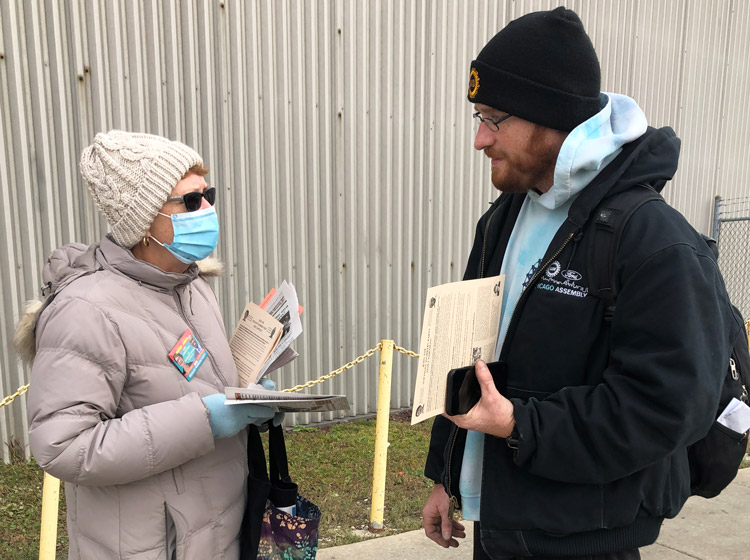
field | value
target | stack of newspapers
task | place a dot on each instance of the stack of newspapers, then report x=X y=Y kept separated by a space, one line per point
x=261 y=343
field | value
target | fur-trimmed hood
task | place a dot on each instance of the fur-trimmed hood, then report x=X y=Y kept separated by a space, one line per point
x=72 y=261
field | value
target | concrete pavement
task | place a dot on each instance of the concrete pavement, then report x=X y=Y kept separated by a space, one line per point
x=717 y=529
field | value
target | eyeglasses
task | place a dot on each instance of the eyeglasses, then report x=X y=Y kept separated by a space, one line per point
x=192 y=200
x=494 y=126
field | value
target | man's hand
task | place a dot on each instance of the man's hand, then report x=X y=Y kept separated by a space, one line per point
x=437 y=519
x=493 y=414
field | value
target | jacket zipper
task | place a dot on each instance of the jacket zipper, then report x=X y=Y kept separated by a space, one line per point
x=195 y=332
x=453 y=499
x=484 y=240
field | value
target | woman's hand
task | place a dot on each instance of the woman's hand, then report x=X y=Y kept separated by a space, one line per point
x=228 y=420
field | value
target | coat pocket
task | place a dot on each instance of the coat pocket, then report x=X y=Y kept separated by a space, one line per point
x=715 y=459
x=179 y=480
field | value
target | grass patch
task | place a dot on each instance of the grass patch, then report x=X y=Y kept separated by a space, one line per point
x=21 y=512
x=332 y=465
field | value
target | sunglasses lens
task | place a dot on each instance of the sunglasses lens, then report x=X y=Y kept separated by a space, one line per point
x=210 y=195
x=192 y=201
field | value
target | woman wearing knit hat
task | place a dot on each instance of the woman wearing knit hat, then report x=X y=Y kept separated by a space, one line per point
x=154 y=462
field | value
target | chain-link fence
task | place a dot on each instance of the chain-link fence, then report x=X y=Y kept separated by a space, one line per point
x=731 y=229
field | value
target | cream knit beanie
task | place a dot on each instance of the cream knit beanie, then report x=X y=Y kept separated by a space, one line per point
x=130 y=175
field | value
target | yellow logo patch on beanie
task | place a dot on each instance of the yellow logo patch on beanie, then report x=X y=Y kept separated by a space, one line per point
x=473 y=83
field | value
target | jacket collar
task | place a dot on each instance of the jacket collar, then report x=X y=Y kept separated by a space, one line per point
x=121 y=261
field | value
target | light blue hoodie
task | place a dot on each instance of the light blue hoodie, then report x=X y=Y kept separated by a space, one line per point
x=586 y=151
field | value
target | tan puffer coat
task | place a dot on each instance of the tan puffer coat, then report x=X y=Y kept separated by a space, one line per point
x=111 y=416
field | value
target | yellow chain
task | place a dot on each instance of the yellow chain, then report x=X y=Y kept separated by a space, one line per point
x=405 y=351
x=350 y=365
x=21 y=390
x=10 y=398
x=335 y=372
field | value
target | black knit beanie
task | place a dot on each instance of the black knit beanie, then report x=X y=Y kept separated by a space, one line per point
x=541 y=67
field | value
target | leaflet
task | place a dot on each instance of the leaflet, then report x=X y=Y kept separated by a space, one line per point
x=282 y=401
x=284 y=307
x=254 y=339
x=460 y=325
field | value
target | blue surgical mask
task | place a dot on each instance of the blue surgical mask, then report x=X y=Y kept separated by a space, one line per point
x=195 y=234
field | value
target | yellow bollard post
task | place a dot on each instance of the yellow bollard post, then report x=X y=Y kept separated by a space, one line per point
x=50 y=507
x=381 y=436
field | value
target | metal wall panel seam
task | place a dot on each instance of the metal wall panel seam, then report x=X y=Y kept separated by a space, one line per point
x=328 y=103
x=191 y=41
x=386 y=248
x=429 y=205
x=211 y=99
x=62 y=124
x=451 y=196
x=420 y=135
x=363 y=132
x=257 y=183
x=462 y=148
x=308 y=188
x=316 y=222
x=100 y=93
x=399 y=253
x=719 y=146
x=133 y=18
x=229 y=113
x=357 y=166
x=338 y=178
x=90 y=225
x=44 y=141
x=233 y=237
x=154 y=102
x=117 y=50
x=410 y=304
x=299 y=270
x=172 y=62
x=441 y=207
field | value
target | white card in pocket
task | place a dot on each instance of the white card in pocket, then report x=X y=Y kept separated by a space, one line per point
x=736 y=416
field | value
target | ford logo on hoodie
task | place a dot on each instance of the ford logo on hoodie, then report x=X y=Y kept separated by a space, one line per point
x=571 y=275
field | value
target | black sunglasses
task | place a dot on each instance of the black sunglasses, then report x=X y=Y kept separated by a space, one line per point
x=192 y=200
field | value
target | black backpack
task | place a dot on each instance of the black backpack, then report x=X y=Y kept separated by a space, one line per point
x=714 y=459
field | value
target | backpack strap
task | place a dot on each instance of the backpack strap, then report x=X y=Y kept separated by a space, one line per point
x=610 y=219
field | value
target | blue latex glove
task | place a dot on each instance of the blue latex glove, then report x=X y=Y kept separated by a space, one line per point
x=228 y=420
x=270 y=384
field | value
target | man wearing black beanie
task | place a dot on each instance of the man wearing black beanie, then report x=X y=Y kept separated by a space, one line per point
x=585 y=453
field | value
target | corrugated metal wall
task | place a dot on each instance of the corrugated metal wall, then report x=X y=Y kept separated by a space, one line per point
x=339 y=134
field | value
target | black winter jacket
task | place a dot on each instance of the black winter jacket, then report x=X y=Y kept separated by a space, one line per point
x=603 y=413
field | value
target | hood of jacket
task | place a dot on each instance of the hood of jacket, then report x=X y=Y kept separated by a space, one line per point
x=591 y=146
x=650 y=160
x=74 y=260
